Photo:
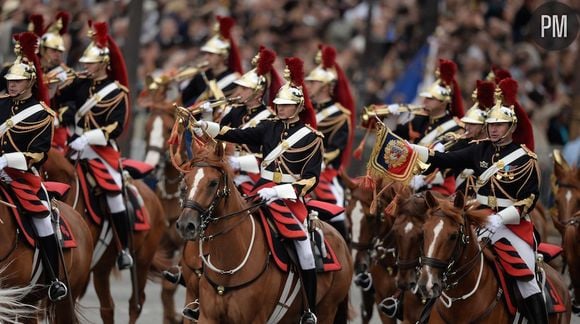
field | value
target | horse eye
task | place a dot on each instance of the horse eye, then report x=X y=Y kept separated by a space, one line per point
x=213 y=183
x=454 y=236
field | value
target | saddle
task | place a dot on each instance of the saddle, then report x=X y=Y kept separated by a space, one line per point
x=325 y=257
x=507 y=273
x=95 y=181
x=24 y=223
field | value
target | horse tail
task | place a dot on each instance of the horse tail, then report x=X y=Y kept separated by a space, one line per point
x=12 y=309
x=342 y=312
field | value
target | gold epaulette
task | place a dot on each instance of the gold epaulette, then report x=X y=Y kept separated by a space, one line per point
x=530 y=152
x=342 y=108
x=315 y=131
x=122 y=87
x=47 y=108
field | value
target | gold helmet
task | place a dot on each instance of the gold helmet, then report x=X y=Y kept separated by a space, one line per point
x=505 y=99
x=220 y=42
x=52 y=38
x=98 y=50
x=292 y=92
x=483 y=98
x=445 y=87
x=25 y=49
x=154 y=83
x=325 y=71
x=259 y=77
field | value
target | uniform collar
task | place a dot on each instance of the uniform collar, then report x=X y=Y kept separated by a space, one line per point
x=437 y=119
x=320 y=106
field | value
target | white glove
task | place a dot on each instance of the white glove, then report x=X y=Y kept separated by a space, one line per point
x=234 y=163
x=199 y=127
x=3 y=162
x=206 y=107
x=417 y=182
x=268 y=194
x=394 y=109
x=439 y=148
x=494 y=221
x=79 y=144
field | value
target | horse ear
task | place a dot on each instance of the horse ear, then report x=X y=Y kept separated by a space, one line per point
x=459 y=201
x=391 y=192
x=560 y=165
x=348 y=182
x=219 y=150
x=431 y=201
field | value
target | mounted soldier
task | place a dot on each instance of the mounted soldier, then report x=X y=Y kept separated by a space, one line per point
x=99 y=110
x=507 y=183
x=292 y=151
x=334 y=104
x=25 y=132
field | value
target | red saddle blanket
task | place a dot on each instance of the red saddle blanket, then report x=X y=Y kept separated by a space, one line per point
x=25 y=225
x=94 y=201
x=554 y=301
x=326 y=261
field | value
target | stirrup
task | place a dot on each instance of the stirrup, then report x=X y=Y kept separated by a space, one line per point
x=575 y=308
x=57 y=291
x=124 y=260
x=191 y=311
x=364 y=280
x=308 y=318
x=173 y=277
x=390 y=306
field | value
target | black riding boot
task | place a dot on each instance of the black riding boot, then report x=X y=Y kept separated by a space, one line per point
x=309 y=282
x=121 y=222
x=535 y=308
x=48 y=246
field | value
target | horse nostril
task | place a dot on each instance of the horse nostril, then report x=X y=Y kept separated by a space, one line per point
x=177 y=225
x=190 y=227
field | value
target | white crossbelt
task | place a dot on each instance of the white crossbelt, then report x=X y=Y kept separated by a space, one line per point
x=285 y=145
x=227 y=80
x=493 y=201
x=19 y=117
x=502 y=163
x=326 y=112
x=285 y=178
x=94 y=100
x=257 y=119
x=439 y=130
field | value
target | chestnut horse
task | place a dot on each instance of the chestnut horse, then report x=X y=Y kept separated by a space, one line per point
x=374 y=260
x=454 y=269
x=566 y=216
x=158 y=130
x=145 y=243
x=248 y=290
x=17 y=261
x=12 y=309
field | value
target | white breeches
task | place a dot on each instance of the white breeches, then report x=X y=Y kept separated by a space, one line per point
x=43 y=225
x=526 y=288
x=115 y=202
x=338 y=192
x=304 y=251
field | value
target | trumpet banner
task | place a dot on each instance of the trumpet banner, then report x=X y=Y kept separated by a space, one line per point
x=392 y=157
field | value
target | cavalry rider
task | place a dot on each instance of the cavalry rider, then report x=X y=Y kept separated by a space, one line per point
x=57 y=74
x=99 y=105
x=292 y=151
x=444 y=106
x=473 y=122
x=222 y=66
x=332 y=98
x=508 y=184
x=257 y=90
x=25 y=134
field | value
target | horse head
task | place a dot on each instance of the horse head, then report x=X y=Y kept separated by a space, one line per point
x=566 y=190
x=409 y=212
x=204 y=191
x=447 y=236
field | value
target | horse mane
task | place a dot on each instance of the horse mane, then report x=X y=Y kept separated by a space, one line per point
x=473 y=214
x=411 y=205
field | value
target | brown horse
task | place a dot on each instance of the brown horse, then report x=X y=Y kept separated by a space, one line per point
x=12 y=309
x=158 y=130
x=566 y=216
x=452 y=254
x=249 y=288
x=375 y=256
x=16 y=262
x=145 y=243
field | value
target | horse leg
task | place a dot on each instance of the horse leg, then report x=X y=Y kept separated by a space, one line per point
x=367 y=306
x=167 y=297
x=102 y=283
x=144 y=258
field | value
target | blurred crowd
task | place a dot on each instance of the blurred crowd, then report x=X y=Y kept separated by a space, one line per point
x=373 y=52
